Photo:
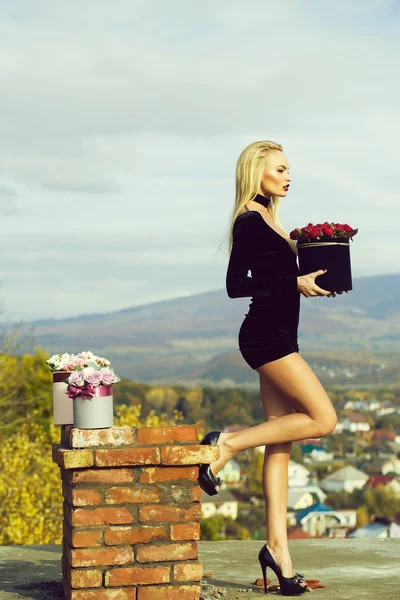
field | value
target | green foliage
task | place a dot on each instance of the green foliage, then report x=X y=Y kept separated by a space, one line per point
x=219 y=527
x=213 y=528
x=25 y=387
x=254 y=475
x=30 y=484
x=368 y=501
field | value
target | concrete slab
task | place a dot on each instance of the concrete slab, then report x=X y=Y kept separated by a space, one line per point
x=351 y=569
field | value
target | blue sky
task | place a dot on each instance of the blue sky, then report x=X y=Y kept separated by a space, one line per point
x=121 y=124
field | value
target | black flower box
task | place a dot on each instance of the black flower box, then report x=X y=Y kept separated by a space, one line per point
x=327 y=253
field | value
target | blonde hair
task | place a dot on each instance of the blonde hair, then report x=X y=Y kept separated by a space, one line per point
x=249 y=169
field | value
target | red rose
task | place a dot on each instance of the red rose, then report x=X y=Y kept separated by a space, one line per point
x=329 y=231
x=314 y=232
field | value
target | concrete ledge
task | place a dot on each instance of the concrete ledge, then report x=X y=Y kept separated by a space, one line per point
x=351 y=569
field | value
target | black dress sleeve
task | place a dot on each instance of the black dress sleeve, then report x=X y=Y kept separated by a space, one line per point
x=245 y=234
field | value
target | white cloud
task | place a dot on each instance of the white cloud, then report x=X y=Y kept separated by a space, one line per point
x=121 y=125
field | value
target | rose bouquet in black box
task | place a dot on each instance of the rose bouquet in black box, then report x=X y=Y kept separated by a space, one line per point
x=326 y=246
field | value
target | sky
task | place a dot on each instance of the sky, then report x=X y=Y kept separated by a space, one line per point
x=121 y=124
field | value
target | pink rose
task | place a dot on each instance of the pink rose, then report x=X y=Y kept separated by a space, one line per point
x=108 y=377
x=76 y=378
x=92 y=376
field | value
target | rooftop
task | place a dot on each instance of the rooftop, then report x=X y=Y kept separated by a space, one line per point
x=351 y=569
x=348 y=473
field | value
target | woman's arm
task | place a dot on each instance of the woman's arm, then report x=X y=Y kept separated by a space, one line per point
x=245 y=233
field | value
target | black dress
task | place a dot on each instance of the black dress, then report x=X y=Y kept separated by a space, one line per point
x=269 y=330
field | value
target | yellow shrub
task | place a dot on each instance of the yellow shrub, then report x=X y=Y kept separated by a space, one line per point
x=30 y=484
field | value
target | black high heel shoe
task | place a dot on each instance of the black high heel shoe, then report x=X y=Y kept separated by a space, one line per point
x=290 y=586
x=207 y=480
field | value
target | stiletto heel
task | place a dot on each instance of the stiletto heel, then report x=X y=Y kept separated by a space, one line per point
x=264 y=570
x=207 y=480
x=289 y=586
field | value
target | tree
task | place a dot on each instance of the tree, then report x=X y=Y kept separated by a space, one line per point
x=30 y=485
x=213 y=528
x=254 y=476
x=25 y=389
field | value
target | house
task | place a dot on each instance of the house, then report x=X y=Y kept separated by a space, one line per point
x=346 y=479
x=379 y=528
x=223 y=503
x=384 y=466
x=383 y=435
x=298 y=475
x=297 y=533
x=382 y=449
x=349 y=516
x=314 y=453
x=230 y=472
x=318 y=518
x=305 y=495
x=355 y=421
x=339 y=427
x=371 y=404
x=390 y=482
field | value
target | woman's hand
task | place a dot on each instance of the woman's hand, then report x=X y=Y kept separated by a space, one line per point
x=306 y=285
x=333 y=294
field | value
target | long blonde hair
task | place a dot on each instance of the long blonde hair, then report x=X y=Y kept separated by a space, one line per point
x=249 y=169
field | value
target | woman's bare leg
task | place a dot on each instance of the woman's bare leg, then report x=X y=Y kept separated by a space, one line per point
x=293 y=378
x=275 y=479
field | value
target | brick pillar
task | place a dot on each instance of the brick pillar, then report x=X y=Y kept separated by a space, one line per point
x=131 y=512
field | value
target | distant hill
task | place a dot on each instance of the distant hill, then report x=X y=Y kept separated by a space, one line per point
x=195 y=338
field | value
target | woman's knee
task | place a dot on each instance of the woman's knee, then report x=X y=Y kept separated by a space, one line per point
x=327 y=424
x=293 y=379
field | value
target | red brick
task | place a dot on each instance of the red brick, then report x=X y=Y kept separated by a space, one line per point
x=116 y=594
x=189 y=455
x=169 y=514
x=167 y=435
x=86 y=538
x=112 y=436
x=120 y=495
x=166 y=552
x=127 y=456
x=74 y=459
x=82 y=538
x=188 y=571
x=185 y=531
x=185 y=493
x=161 y=473
x=101 y=516
x=86 y=578
x=115 y=536
x=166 y=592
x=95 y=557
x=103 y=476
x=86 y=497
x=137 y=576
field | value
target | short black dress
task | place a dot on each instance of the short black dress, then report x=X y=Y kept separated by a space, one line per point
x=270 y=328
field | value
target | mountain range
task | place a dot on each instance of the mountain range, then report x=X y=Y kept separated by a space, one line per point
x=194 y=338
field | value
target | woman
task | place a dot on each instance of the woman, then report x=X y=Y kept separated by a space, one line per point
x=295 y=404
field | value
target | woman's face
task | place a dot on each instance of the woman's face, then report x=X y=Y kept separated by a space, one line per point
x=275 y=178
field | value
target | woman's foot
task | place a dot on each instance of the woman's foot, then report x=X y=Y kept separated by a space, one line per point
x=282 y=558
x=225 y=454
